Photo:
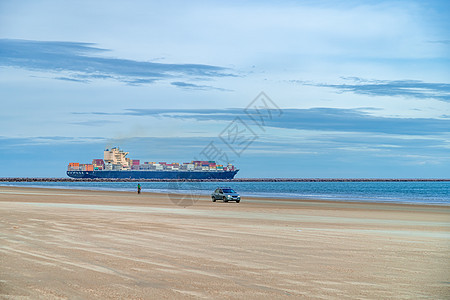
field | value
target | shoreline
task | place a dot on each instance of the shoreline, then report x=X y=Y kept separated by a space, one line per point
x=205 y=197
x=287 y=197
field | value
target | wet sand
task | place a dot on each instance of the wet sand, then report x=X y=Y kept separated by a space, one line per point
x=58 y=244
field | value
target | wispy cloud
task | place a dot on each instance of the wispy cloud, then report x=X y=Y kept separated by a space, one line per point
x=82 y=62
x=94 y=123
x=322 y=119
x=405 y=88
x=71 y=79
x=8 y=142
x=191 y=86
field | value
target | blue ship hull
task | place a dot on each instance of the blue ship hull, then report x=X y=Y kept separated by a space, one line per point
x=133 y=174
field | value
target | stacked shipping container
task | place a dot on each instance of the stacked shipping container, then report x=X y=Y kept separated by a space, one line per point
x=99 y=164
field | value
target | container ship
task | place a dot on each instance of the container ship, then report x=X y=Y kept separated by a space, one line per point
x=115 y=164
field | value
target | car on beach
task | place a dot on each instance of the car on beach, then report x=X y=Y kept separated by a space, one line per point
x=225 y=194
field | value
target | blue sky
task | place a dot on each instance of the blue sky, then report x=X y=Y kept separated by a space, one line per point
x=358 y=88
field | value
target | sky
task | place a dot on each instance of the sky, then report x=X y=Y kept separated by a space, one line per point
x=304 y=89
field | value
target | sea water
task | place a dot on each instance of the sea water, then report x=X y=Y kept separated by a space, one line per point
x=416 y=192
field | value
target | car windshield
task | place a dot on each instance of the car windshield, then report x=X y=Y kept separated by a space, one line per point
x=228 y=191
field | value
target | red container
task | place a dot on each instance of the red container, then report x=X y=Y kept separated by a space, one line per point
x=98 y=162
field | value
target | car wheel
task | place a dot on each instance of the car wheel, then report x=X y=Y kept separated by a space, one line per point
x=237 y=201
x=225 y=199
x=213 y=199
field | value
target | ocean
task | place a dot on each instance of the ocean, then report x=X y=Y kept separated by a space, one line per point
x=430 y=193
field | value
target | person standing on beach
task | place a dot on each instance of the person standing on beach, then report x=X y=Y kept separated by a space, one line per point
x=139 y=188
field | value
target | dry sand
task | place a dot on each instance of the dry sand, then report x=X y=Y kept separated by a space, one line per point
x=93 y=244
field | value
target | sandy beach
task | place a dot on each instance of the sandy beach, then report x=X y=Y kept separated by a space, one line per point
x=77 y=244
